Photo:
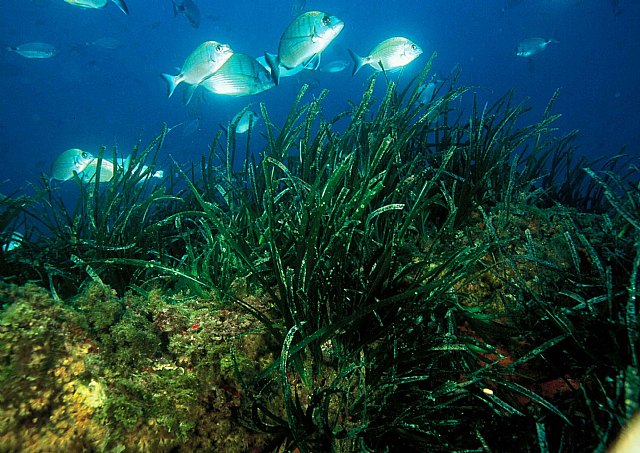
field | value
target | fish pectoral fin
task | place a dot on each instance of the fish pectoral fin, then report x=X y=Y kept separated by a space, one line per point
x=205 y=78
x=315 y=38
x=312 y=63
x=122 y=5
x=189 y=92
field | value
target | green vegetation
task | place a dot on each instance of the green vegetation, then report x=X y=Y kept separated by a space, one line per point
x=402 y=276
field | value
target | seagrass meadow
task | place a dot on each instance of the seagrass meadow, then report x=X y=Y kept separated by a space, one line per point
x=405 y=276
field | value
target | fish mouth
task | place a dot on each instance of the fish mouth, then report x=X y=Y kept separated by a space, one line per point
x=224 y=49
x=337 y=28
x=411 y=52
x=331 y=32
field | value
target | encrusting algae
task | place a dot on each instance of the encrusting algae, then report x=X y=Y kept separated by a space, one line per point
x=64 y=390
x=47 y=402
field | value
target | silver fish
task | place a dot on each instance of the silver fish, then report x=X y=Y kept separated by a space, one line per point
x=35 y=50
x=105 y=43
x=12 y=241
x=335 y=66
x=242 y=121
x=188 y=9
x=191 y=127
x=429 y=90
x=390 y=54
x=204 y=61
x=303 y=40
x=107 y=170
x=71 y=161
x=84 y=164
x=98 y=4
x=125 y=164
x=241 y=75
x=531 y=46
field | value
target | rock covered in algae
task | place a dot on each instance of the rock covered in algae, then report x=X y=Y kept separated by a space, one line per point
x=47 y=402
x=104 y=374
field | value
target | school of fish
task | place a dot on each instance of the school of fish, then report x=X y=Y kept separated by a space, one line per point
x=217 y=68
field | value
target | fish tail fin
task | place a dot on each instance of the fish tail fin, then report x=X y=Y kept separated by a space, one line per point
x=122 y=5
x=175 y=8
x=358 y=62
x=274 y=65
x=172 y=82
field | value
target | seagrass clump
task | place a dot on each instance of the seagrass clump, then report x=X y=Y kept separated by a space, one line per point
x=374 y=236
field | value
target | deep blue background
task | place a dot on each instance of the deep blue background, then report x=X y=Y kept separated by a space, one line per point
x=87 y=96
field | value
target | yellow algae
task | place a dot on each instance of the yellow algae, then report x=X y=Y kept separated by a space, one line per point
x=88 y=381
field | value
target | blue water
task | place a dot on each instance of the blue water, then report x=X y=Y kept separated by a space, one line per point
x=88 y=96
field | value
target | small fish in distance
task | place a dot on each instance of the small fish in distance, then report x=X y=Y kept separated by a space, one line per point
x=532 y=46
x=188 y=9
x=98 y=4
x=243 y=121
x=37 y=50
x=335 y=66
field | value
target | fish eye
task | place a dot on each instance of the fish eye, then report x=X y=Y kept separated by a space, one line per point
x=414 y=47
x=219 y=48
x=84 y=154
x=326 y=20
